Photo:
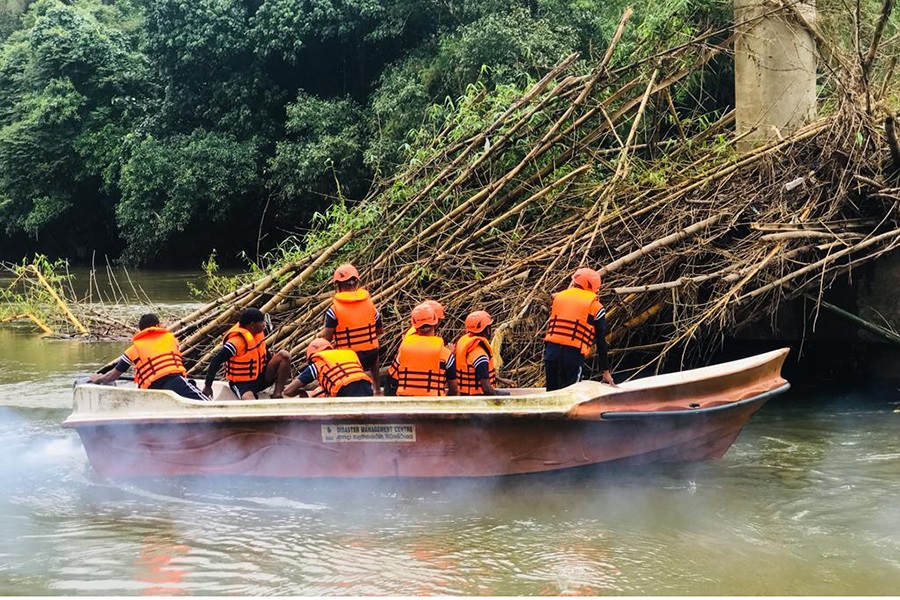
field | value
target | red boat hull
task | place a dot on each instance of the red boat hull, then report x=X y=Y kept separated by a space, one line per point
x=686 y=416
x=442 y=447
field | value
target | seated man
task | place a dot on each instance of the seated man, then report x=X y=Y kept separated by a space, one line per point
x=438 y=312
x=475 y=370
x=249 y=366
x=339 y=373
x=156 y=359
x=423 y=365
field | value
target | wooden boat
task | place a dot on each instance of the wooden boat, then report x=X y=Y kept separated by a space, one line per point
x=686 y=416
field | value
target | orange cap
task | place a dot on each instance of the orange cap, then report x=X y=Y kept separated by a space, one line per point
x=587 y=279
x=317 y=345
x=345 y=272
x=477 y=321
x=438 y=309
x=423 y=314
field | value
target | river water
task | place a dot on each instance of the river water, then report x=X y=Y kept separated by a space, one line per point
x=807 y=502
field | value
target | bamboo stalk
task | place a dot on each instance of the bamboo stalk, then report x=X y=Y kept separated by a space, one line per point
x=59 y=301
x=660 y=243
x=308 y=272
x=37 y=321
x=887 y=8
x=893 y=235
x=881 y=332
x=259 y=284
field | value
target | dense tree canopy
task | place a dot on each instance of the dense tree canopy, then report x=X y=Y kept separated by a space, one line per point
x=161 y=130
x=67 y=88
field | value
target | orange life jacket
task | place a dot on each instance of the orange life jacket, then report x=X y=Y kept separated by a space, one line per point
x=250 y=360
x=569 y=325
x=420 y=366
x=337 y=368
x=154 y=353
x=466 y=347
x=355 y=313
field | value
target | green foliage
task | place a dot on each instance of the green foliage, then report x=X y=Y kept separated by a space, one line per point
x=399 y=105
x=335 y=222
x=34 y=148
x=149 y=119
x=513 y=46
x=60 y=80
x=172 y=188
x=493 y=50
x=849 y=24
x=26 y=294
x=204 y=57
x=324 y=138
x=286 y=26
x=214 y=284
x=10 y=16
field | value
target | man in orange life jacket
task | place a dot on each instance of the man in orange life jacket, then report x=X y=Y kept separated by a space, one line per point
x=339 y=372
x=156 y=360
x=438 y=312
x=475 y=372
x=353 y=322
x=577 y=322
x=249 y=366
x=423 y=365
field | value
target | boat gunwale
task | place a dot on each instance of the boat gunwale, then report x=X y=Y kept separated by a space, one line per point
x=482 y=416
x=614 y=415
x=560 y=406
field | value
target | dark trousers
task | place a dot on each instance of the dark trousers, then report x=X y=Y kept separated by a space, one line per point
x=239 y=387
x=562 y=373
x=356 y=388
x=179 y=385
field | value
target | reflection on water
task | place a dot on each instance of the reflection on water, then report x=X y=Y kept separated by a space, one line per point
x=154 y=565
x=804 y=503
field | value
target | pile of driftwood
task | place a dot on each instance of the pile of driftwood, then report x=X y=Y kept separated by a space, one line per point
x=43 y=292
x=693 y=238
x=598 y=167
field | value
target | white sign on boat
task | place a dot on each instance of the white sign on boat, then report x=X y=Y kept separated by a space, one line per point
x=368 y=432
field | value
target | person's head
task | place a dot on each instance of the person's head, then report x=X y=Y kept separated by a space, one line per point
x=479 y=323
x=586 y=279
x=317 y=345
x=423 y=319
x=346 y=278
x=438 y=309
x=253 y=320
x=148 y=320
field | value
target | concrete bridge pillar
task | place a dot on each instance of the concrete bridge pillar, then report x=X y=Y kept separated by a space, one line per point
x=774 y=70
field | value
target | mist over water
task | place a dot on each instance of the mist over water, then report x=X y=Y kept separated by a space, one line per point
x=805 y=503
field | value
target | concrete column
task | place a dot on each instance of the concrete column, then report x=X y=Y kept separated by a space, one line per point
x=774 y=71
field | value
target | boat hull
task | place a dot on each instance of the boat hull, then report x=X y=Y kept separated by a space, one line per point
x=481 y=446
x=687 y=416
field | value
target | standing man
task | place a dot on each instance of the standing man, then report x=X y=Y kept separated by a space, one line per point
x=156 y=359
x=423 y=365
x=475 y=370
x=249 y=366
x=339 y=372
x=577 y=322
x=353 y=322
